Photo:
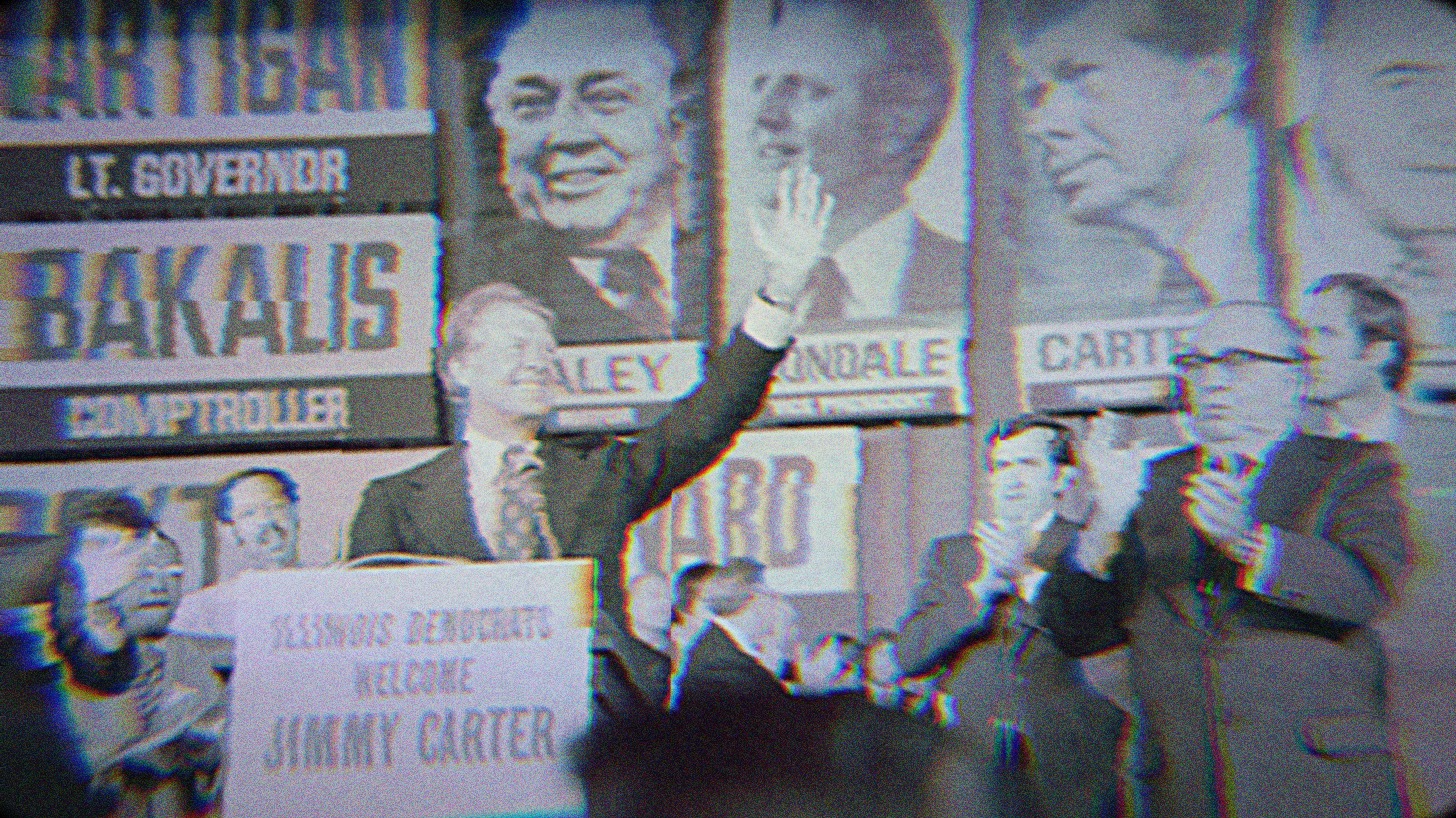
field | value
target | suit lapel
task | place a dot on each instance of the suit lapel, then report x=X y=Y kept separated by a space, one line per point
x=439 y=503
x=1171 y=546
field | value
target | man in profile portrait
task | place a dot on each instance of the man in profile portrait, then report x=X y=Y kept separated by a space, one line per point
x=1379 y=84
x=1138 y=107
x=1360 y=345
x=592 y=105
x=859 y=92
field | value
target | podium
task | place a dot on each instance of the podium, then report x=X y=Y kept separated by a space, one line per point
x=430 y=691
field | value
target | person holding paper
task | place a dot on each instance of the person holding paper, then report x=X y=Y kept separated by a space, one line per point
x=1244 y=573
x=148 y=710
x=503 y=493
x=975 y=614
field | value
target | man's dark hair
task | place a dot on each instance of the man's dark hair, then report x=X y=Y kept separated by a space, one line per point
x=462 y=316
x=1326 y=10
x=687 y=587
x=222 y=507
x=747 y=570
x=114 y=508
x=785 y=757
x=1378 y=316
x=1059 y=448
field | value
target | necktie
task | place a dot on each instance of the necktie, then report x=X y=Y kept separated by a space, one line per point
x=632 y=276
x=831 y=291
x=524 y=531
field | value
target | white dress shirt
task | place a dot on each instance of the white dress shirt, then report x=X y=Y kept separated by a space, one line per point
x=873 y=262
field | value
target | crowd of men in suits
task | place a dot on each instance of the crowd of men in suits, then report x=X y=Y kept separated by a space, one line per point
x=1244 y=576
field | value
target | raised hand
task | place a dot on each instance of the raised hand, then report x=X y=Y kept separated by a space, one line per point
x=1112 y=479
x=791 y=234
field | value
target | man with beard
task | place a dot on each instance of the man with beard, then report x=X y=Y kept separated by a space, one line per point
x=975 y=614
x=1360 y=345
x=147 y=707
x=1244 y=573
x=859 y=91
x=593 y=109
x=1138 y=106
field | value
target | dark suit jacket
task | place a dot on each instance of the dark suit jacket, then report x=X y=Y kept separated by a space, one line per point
x=1419 y=632
x=534 y=257
x=1259 y=705
x=1005 y=666
x=716 y=668
x=596 y=487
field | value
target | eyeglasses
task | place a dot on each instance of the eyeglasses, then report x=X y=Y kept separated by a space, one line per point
x=1238 y=362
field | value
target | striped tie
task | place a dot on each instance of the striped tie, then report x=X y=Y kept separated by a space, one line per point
x=525 y=533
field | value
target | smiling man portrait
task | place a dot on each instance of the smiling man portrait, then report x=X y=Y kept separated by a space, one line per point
x=591 y=107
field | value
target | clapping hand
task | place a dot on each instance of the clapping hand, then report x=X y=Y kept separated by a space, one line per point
x=1004 y=548
x=1218 y=505
x=1113 y=476
x=791 y=235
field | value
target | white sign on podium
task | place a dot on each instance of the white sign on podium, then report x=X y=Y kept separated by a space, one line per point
x=420 y=692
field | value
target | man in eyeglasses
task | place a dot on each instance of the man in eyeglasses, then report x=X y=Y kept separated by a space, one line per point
x=1243 y=573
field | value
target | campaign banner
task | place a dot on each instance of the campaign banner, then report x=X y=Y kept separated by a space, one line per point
x=243 y=165
x=894 y=156
x=870 y=374
x=181 y=493
x=418 y=692
x=196 y=333
x=157 y=59
x=1100 y=364
x=623 y=387
x=784 y=497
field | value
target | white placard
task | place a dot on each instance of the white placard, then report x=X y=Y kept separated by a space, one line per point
x=418 y=692
x=217 y=300
x=1124 y=349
